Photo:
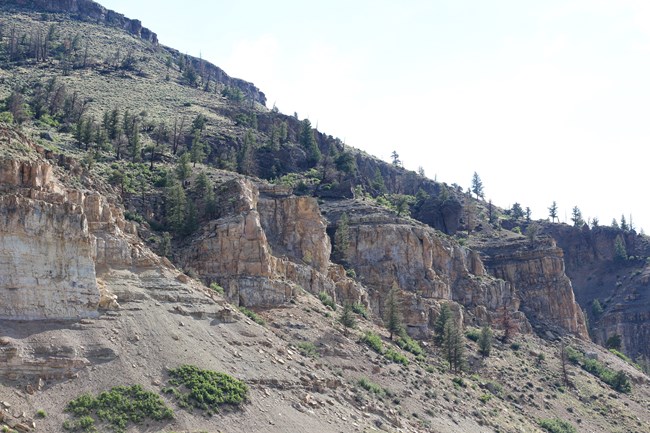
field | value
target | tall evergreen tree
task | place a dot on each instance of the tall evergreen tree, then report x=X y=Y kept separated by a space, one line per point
x=176 y=207
x=620 y=252
x=624 y=225
x=485 y=341
x=393 y=314
x=576 y=217
x=439 y=325
x=477 y=185
x=342 y=236
x=453 y=347
x=308 y=142
x=552 y=212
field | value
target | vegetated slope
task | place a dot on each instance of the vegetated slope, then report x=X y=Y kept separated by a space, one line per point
x=265 y=245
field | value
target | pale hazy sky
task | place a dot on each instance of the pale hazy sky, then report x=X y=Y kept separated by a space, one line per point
x=546 y=100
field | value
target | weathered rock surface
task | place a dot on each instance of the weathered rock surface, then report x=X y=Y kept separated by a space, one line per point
x=620 y=286
x=427 y=266
x=537 y=274
x=89 y=10
x=263 y=249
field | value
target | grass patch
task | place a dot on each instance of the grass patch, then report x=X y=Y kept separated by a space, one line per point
x=117 y=408
x=616 y=379
x=307 y=348
x=217 y=288
x=205 y=389
x=373 y=341
x=371 y=387
x=395 y=356
x=252 y=315
x=410 y=345
x=556 y=425
x=359 y=309
x=327 y=300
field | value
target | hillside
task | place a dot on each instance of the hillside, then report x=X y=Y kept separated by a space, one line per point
x=156 y=213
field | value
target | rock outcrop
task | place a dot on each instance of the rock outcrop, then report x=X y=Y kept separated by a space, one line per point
x=54 y=242
x=620 y=286
x=427 y=266
x=88 y=10
x=537 y=274
x=266 y=246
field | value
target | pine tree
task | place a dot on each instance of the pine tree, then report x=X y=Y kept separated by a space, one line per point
x=477 y=185
x=624 y=225
x=393 y=315
x=516 y=211
x=176 y=207
x=576 y=217
x=342 y=236
x=395 y=159
x=347 y=318
x=453 y=347
x=183 y=169
x=485 y=341
x=308 y=142
x=620 y=252
x=198 y=150
x=439 y=325
x=552 y=212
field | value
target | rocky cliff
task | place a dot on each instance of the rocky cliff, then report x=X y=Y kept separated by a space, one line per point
x=88 y=10
x=426 y=265
x=537 y=274
x=620 y=286
x=266 y=246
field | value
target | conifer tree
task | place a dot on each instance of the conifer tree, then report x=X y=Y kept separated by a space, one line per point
x=453 y=347
x=485 y=341
x=308 y=142
x=347 y=318
x=477 y=185
x=183 y=169
x=441 y=321
x=576 y=217
x=342 y=236
x=393 y=314
x=176 y=207
x=624 y=225
x=552 y=212
x=620 y=252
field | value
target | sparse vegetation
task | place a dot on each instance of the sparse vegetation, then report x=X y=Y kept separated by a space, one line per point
x=307 y=348
x=556 y=425
x=205 y=389
x=117 y=408
x=252 y=315
x=327 y=300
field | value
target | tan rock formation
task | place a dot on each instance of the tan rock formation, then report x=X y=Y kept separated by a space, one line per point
x=537 y=274
x=263 y=249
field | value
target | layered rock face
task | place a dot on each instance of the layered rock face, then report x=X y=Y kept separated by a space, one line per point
x=622 y=287
x=537 y=274
x=89 y=10
x=427 y=267
x=46 y=253
x=265 y=247
x=55 y=241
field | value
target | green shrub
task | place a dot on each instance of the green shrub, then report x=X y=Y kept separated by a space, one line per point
x=485 y=398
x=515 y=346
x=473 y=334
x=359 y=309
x=327 y=300
x=410 y=345
x=41 y=413
x=217 y=288
x=556 y=425
x=371 y=386
x=395 y=356
x=252 y=315
x=307 y=348
x=618 y=380
x=459 y=381
x=117 y=408
x=205 y=389
x=373 y=341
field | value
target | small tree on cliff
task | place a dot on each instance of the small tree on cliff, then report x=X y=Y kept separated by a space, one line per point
x=477 y=185
x=576 y=217
x=453 y=347
x=308 y=142
x=620 y=253
x=393 y=315
x=552 y=212
x=485 y=341
x=342 y=236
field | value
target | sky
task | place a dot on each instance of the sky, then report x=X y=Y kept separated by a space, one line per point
x=546 y=101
